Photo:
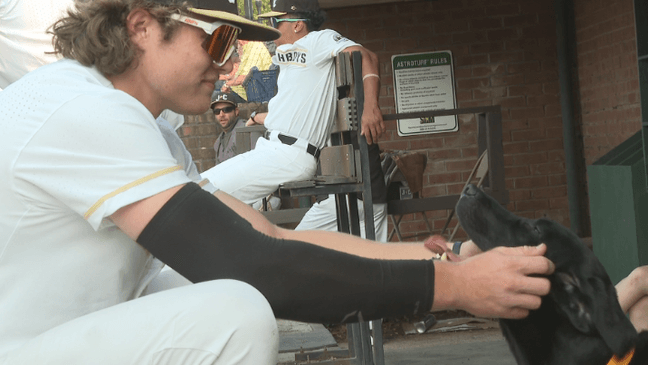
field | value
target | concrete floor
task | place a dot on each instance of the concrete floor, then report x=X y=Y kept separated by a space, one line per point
x=484 y=346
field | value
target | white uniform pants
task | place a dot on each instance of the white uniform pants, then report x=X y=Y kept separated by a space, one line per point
x=255 y=174
x=323 y=216
x=216 y=322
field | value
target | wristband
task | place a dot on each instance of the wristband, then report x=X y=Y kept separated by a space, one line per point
x=369 y=75
x=456 y=247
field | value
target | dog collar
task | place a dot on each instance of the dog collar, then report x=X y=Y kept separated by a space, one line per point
x=623 y=361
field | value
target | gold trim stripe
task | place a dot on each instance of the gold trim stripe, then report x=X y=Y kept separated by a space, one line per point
x=129 y=186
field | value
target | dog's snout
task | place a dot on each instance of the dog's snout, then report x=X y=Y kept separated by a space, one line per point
x=470 y=190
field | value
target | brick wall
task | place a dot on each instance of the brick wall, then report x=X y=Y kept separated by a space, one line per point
x=608 y=78
x=504 y=54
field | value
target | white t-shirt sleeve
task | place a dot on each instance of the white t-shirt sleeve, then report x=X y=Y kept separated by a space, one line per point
x=97 y=166
x=328 y=44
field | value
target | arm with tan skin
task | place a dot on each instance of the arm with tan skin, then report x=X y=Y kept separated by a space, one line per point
x=373 y=125
x=495 y=283
x=259 y=118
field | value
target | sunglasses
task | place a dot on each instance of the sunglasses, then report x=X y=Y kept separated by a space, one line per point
x=227 y=109
x=222 y=36
x=274 y=21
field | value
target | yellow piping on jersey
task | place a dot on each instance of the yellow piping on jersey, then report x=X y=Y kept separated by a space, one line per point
x=128 y=186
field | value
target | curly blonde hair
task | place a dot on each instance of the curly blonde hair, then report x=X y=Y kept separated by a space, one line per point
x=95 y=34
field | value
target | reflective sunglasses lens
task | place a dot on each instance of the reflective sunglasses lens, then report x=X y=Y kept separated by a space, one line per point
x=220 y=45
x=273 y=22
x=227 y=109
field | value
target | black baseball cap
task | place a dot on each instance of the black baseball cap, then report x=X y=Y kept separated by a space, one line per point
x=283 y=7
x=226 y=11
x=221 y=97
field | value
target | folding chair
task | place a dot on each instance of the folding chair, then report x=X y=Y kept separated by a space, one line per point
x=407 y=167
x=479 y=173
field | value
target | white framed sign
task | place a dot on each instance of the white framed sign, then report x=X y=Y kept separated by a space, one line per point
x=423 y=82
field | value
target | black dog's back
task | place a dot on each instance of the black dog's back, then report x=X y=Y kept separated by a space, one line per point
x=580 y=321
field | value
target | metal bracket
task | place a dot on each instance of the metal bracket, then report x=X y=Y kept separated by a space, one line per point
x=346 y=118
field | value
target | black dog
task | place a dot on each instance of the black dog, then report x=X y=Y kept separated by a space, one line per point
x=580 y=321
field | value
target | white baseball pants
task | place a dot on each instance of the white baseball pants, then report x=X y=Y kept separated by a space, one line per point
x=216 y=322
x=255 y=174
x=323 y=216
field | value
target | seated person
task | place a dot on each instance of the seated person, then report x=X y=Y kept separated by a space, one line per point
x=226 y=112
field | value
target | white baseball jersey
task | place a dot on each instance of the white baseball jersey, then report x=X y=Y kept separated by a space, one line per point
x=75 y=150
x=23 y=37
x=305 y=104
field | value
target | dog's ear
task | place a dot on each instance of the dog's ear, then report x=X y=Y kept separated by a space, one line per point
x=567 y=291
x=592 y=306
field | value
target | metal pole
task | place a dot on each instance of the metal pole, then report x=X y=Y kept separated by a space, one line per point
x=563 y=8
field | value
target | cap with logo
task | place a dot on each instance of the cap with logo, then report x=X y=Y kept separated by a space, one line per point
x=221 y=97
x=226 y=10
x=283 y=7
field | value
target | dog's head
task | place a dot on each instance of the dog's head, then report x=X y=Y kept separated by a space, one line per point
x=580 y=286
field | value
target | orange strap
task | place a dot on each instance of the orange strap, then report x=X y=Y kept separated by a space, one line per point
x=624 y=361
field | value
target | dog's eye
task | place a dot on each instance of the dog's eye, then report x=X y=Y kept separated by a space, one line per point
x=537 y=230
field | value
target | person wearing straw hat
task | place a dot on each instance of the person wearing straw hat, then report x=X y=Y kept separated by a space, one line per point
x=92 y=197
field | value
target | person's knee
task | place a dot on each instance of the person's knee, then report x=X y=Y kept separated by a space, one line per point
x=640 y=272
x=639 y=278
x=249 y=308
x=231 y=318
x=243 y=303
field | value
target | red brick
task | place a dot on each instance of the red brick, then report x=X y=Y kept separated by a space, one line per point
x=548 y=168
x=506 y=56
x=513 y=148
x=559 y=203
x=444 y=154
x=507 y=80
x=511 y=102
x=472 y=83
x=520 y=194
x=527 y=135
x=487 y=47
x=528 y=112
x=546 y=145
x=469 y=37
x=529 y=158
x=450 y=26
x=426 y=143
x=460 y=165
x=522 y=19
x=516 y=171
x=394 y=145
x=530 y=182
x=438 y=190
x=550 y=192
x=481 y=24
x=445 y=178
x=489 y=70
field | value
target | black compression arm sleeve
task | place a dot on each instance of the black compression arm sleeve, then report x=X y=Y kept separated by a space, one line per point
x=203 y=239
